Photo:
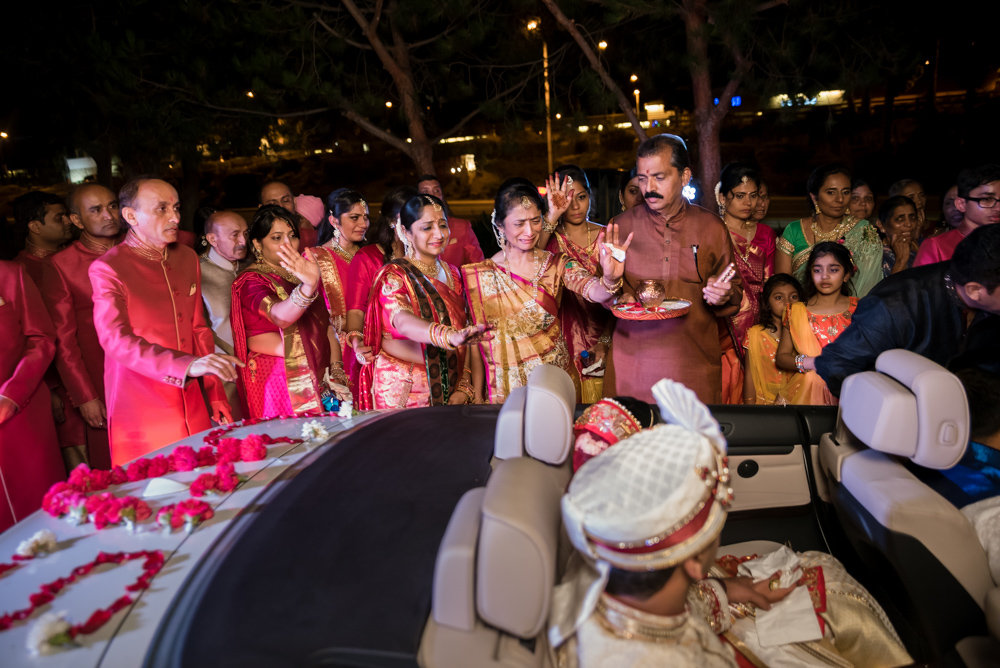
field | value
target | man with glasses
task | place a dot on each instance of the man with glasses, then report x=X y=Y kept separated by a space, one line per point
x=978 y=192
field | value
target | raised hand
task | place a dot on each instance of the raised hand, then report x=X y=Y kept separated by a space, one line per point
x=471 y=335
x=303 y=267
x=612 y=268
x=558 y=191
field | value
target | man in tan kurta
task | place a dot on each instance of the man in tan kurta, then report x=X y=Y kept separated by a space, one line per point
x=687 y=248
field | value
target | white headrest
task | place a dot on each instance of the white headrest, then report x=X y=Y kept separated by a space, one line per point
x=537 y=420
x=548 y=414
x=509 y=439
x=913 y=408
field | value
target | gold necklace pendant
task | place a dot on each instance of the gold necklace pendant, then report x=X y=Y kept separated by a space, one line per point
x=342 y=252
x=272 y=269
x=428 y=269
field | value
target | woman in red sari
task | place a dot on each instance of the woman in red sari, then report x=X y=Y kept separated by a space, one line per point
x=587 y=326
x=281 y=330
x=341 y=233
x=416 y=319
x=754 y=243
x=361 y=275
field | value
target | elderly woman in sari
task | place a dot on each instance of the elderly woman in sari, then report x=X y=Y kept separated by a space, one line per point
x=830 y=193
x=281 y=330
x=416 y=320
x=587 y=326
x=518 y=290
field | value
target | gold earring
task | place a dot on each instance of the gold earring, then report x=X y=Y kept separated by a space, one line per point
x=256 y=254
x=817 y=208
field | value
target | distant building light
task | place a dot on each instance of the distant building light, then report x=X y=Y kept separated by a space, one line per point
x=329 y=150
x=600 y=127
x=602 y=45
x=364 y=147
x=388 y=104
x=558 y=116
x=456 y=140
x=623 y=126
x=469 y=160
x=583 y=128
x=249 y=93
x=318 y=150
x=822 y=99
x=633 y=78
x=760 y=113
x=654 y=108
x=452 y=170
x=736 y=101
x=409 y=140
x=717 y=102
x=542 y=190
x=644 y=124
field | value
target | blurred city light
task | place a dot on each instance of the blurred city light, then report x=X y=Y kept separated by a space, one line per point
x=602 y=45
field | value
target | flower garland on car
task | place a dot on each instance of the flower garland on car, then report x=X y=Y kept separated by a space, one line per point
x=70 y=500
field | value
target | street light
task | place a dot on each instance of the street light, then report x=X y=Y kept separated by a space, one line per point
x=602 y=45
x=636 y=93
x=633 y=78
x=388 y=104
x=249 y=93
x=532 y=26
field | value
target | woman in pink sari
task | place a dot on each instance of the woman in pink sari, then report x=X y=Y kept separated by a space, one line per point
x=416 y=320
x=361 y=275
x=281 y=330
x=754 y=246
x=341 y=233
x=587 y=326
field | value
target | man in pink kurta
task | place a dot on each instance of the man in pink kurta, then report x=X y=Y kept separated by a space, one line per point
x=29 y=453
x=686 y=248
x=46 y=228
x=149 y=319
x=69 y=297
x=463 y=246
x=976 y=187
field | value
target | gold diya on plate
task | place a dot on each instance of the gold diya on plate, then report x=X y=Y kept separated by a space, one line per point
x=653 y=304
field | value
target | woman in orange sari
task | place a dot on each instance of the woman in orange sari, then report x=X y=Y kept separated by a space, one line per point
x=517 y=291
x=281 y=330
x=763 y=381
x=737 y=194
x=587 y=326
x=812 y=324
x=340 y=234
x=416 y=320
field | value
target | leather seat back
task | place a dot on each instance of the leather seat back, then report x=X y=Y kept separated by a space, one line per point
x=537 y=420
x=910 y=407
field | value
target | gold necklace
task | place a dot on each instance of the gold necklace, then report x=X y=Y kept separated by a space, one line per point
x=566 y=233
x=819 y=236
x=342 y=252
x=535 y=279
x=428 y=269
x=272 y=269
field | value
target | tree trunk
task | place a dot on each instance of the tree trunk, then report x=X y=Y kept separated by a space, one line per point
x=190 y=193
x=709 y=158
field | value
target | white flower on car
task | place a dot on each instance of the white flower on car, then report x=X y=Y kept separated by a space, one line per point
x=346 y=409
x=50 y=632
x=42 y=543
x=315 y=431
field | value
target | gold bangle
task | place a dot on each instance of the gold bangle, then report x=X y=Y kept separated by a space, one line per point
x=356 y=333
x=615 y=287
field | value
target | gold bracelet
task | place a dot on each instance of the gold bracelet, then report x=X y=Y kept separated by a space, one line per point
x=356 y=333
x=615 y=287
x=550 y=227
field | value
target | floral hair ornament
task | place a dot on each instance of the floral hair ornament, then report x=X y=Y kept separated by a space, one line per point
x=407 y=246
x=497 y=231
x=656 y=499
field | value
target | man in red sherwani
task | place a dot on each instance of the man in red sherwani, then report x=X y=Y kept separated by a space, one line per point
x=69 y=295
x=151 y=324
x=279 y=194
x=46 y=227
x=29 y=453
x=685 y=248
x=463 y=246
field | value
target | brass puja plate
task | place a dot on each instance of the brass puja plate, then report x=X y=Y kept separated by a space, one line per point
x=670 y=308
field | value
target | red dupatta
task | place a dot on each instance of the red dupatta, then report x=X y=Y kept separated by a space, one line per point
x=306 y=343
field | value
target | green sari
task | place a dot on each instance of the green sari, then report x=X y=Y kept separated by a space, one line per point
x=860 y=238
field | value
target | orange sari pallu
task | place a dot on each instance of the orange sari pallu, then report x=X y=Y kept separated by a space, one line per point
x=389 y=382
x=811 y=332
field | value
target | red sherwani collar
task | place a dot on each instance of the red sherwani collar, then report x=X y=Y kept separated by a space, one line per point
x=35 y=250
x=95 y=245
x=143 y=249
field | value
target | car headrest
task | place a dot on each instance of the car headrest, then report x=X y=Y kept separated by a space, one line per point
x=537 y=420
x=911 y=407
x=518 y=545
x=548 y=414
x=509 y=436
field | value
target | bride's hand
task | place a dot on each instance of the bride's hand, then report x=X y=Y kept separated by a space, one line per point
x=471 y=335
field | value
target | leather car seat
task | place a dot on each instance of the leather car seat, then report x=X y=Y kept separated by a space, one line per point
x=920 y=548
x=501 y=553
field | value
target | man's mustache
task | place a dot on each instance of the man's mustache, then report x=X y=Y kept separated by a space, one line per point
x=652 y=195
